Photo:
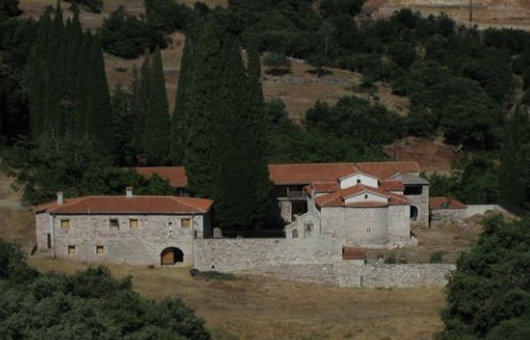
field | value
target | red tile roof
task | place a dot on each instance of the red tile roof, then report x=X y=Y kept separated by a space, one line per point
x=437 y=203
x=337 y=199
x=385 y=170
x=390 y=185
x=297 y=174
x=123 y=204
x=175 y=175
x=285 y=174
x=349 y=253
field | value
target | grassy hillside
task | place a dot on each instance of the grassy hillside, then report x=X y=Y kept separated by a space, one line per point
x=261 y=308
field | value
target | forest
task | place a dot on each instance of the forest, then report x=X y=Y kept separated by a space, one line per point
x=466 y=85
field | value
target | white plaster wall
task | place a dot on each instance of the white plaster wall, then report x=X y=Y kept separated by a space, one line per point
x=399 y=223
x=366 y=197
x=479 y=209
x=133 y=246
x=351 y=181
x=355 y=226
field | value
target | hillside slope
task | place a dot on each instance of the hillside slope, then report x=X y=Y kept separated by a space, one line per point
x=486 y=13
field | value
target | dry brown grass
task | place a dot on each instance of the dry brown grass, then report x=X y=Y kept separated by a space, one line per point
x=254 y=307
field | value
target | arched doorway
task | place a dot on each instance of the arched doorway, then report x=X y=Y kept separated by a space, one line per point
x=413 y=213
x=171 y=256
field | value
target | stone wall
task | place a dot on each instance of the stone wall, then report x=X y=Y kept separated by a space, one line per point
x=308 y=260
x=440 y=216
x=228 y=255
x=140 y=246
x=393 y=275
x=422 y=203
x=479 y=209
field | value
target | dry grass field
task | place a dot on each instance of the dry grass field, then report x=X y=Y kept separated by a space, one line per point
x=253 y=307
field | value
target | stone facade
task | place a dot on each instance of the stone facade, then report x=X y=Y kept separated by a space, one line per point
x=421 y=202
x=92 y=239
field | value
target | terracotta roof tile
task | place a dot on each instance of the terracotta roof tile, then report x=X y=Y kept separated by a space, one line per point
x=175 y=175
x=390 y=185
x=337 y=198
x=285 y=174
x=349 y=253
x=123 y=204
x=437 y=203
x=297 y=174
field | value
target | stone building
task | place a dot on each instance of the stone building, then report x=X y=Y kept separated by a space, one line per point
x=146 y=230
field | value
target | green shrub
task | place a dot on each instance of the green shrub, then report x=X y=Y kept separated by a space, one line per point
x=437 y=257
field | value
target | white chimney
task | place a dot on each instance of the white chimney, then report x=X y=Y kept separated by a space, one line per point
x=129 y=192
x=60 y=198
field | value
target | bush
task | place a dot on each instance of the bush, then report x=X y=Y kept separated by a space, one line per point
x=277 y=63
x=437 y=256
x=211 y=275
x=125 y=36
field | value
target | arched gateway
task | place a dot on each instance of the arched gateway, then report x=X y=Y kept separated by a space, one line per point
x=170 y=256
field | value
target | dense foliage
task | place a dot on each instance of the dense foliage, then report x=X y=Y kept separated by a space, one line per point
x=488 y=296
x=88 y=305
x=93 y=5
x=127 y=36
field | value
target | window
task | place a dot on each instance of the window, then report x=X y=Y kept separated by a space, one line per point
x=133 y=223
x=100 y=250
x=185 y=222
x=114 y=224
x=308 y=228
x=295 y=233
x=358 y=181
x=71 y=250
x=65 y=224
x=365 y=196
x=49 y=240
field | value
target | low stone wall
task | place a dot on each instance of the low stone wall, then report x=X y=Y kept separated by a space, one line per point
x=256 y=254
x=479 y=209
x=394 y=275
x=314 y=261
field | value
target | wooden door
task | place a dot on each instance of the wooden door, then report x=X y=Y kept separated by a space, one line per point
x=168 y=258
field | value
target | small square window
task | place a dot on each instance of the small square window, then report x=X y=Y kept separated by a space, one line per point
x=114 y=224
x=185 y=222
x=65 y=224
x=366 y=196
x=358 y=181
x=133 y=224
x=100 y=250
x=71 y=250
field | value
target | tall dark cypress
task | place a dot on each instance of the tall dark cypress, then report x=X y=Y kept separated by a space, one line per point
x=81 y=86
x=178 y=129
x=140 y=95
x=156 y=137
x=240 y=179
x=203 y=105
x=514 y=172
x=98 y=115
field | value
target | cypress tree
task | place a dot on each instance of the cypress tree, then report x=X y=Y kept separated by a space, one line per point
x=156 y=136
x=98 y=115
x=240 y=181
x=513 y=171
x=178 y=129
x=203 y=104
x=140 y=95
x=81 y=86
